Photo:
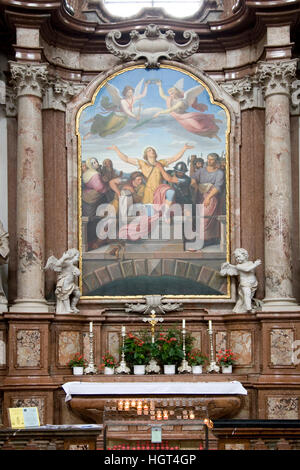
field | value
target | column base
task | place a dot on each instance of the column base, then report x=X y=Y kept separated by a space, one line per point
x=280 y=304
x=29 y=305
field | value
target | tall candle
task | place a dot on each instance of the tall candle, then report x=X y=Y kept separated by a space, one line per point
x=91 y=326
x=183 y=323
x=123 y=330
x=209 y=324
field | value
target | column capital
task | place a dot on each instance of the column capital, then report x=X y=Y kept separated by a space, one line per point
x=276 y=77
x=59 y=92
x=28 y=79
x=245 y=90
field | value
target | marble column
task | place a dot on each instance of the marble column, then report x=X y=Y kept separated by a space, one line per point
x=28 y=80
x=276 y=78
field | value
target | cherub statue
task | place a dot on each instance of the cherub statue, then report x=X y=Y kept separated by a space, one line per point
x=66 y=280
x=245 y=270
x=4 y=252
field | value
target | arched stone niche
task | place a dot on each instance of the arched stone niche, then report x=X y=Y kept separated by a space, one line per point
x=116 y=263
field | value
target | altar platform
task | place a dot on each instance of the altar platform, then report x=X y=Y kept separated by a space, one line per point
x=206 y=396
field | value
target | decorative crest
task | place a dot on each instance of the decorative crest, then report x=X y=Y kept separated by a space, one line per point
x=154 y=302
x=152 y=45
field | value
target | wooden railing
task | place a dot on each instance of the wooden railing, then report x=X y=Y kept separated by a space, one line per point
x=60 y=437
x=273 y=434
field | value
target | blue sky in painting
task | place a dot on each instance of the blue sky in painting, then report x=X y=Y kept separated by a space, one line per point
x=164 y=133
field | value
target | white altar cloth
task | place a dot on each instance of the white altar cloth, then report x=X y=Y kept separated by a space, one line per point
x=153 y=388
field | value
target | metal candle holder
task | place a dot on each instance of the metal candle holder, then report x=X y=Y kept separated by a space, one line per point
x=184 y=364
x=212 y=367
x=91 y=369
x=123 y=368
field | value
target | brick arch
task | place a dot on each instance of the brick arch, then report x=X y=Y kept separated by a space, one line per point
x=154 y=267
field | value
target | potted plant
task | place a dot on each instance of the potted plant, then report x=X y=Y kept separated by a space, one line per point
x=77 y=363
x=196 y=359
x=170 y=352
x=109 y=364
x=226 y=359
x=137 y=350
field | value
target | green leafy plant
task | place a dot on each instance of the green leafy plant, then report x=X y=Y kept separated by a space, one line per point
x=108 y=360
x=226 y=358
x=169 y=345
x=196 y=358
x=137 y=349
x=77 y=361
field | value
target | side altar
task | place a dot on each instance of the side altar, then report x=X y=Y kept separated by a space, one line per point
x=215 y=398
x=180 y=405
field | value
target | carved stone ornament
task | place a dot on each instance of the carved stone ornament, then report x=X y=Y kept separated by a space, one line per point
x=276 y=77
x=295 y=97
x=10 y=102
x=59 y=92
x=152 y=45
x=154 y=302
x=28 y=79
x=246 y=90
x=245 y=271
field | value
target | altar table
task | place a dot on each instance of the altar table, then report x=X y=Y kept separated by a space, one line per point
x=153 y=388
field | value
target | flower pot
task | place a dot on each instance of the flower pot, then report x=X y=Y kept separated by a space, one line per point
x=169 y=369
x=227 y=369
x=77 y=370
x=109 y=370
x=139 y=369
x=197 y=369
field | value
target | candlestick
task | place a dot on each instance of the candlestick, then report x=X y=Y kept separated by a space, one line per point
x=184 y=367
x=91 y=368
x=123 y=368
x=213 y=366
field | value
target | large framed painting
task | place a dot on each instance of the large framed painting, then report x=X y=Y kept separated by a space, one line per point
x=153 y=186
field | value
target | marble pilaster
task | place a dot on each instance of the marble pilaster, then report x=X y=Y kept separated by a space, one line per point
x=276 y=78
x=28 y=81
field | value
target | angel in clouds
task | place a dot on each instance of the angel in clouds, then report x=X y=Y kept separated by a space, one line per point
x=66 y=280
x=178 y=102
x=117 y=109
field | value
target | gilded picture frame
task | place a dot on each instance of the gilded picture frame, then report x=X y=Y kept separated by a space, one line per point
x=153 y=146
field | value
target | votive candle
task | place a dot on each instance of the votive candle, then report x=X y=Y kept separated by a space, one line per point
x=126 y=405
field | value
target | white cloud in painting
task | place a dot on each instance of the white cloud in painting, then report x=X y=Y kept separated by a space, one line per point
x=164 y=133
